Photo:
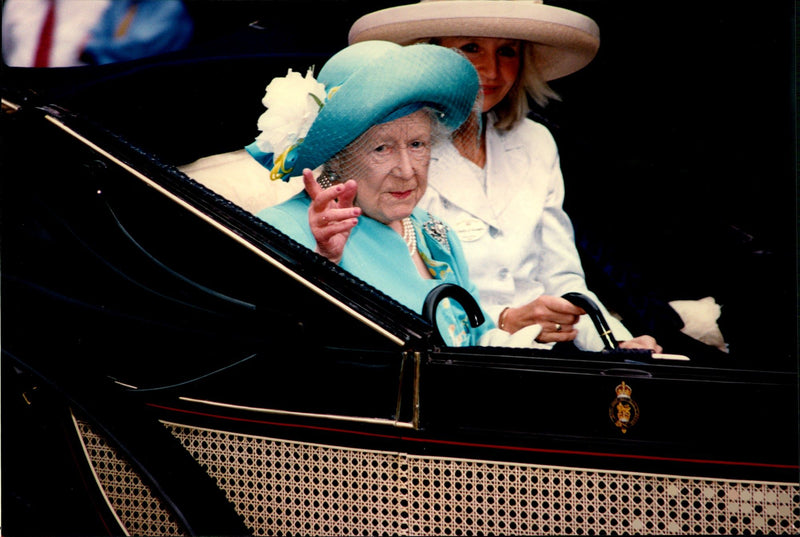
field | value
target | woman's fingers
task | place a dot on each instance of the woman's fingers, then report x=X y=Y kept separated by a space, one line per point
x=641 y=342
x=310 y=184
x=551 y=335
x=561 y=317
x=560 y=306
x=328 y=231
x=346 y=193
x=331 y=216
x=554 y=314
x=332 y=208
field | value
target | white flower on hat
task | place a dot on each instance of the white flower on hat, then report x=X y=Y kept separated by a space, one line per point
x=292 y=103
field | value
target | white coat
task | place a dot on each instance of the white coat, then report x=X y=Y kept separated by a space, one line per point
x=518 y=241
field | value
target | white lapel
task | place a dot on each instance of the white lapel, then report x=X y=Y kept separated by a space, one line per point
x=506 y=162
x=457 y=181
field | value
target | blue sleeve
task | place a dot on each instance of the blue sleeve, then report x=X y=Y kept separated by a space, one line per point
x=291 y=218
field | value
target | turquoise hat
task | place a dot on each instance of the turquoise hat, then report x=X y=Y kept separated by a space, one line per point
x=370 y=83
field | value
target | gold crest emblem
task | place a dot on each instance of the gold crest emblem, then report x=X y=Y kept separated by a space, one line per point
x=623 y=411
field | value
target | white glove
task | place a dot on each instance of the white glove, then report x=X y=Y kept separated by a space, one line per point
x=525 y=337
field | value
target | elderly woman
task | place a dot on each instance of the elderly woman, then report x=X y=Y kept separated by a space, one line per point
x=374 y=114
x=499 y=183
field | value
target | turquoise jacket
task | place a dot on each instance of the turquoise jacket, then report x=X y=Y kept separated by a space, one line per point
x=378 y=255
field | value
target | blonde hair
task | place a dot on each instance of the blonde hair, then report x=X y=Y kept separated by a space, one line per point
x=529 y=84
x=514 y=107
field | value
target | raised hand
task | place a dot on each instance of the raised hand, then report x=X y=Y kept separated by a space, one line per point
x=331 y=215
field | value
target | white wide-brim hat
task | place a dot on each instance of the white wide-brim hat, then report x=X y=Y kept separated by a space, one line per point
x=564 y=41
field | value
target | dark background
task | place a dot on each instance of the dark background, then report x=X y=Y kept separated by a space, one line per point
x=677 y=142
x=678 y=146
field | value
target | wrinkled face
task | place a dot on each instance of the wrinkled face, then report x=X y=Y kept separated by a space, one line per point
x=496 y=60
x=389 y=163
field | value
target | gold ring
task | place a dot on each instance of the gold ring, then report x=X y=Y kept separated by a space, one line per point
x=558 y=327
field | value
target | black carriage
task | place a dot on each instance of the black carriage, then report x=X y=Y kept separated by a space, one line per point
x=173 y=365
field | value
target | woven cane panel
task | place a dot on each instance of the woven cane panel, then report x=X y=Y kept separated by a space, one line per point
x=139 y=511
x=288 y=488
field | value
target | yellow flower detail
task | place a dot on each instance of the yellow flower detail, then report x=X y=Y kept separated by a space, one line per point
x=278 y=171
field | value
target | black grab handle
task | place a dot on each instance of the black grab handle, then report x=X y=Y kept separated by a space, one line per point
x=457 y=293
x=594 y=313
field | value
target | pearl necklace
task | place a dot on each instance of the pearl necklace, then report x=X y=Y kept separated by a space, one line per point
x=409 y=235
